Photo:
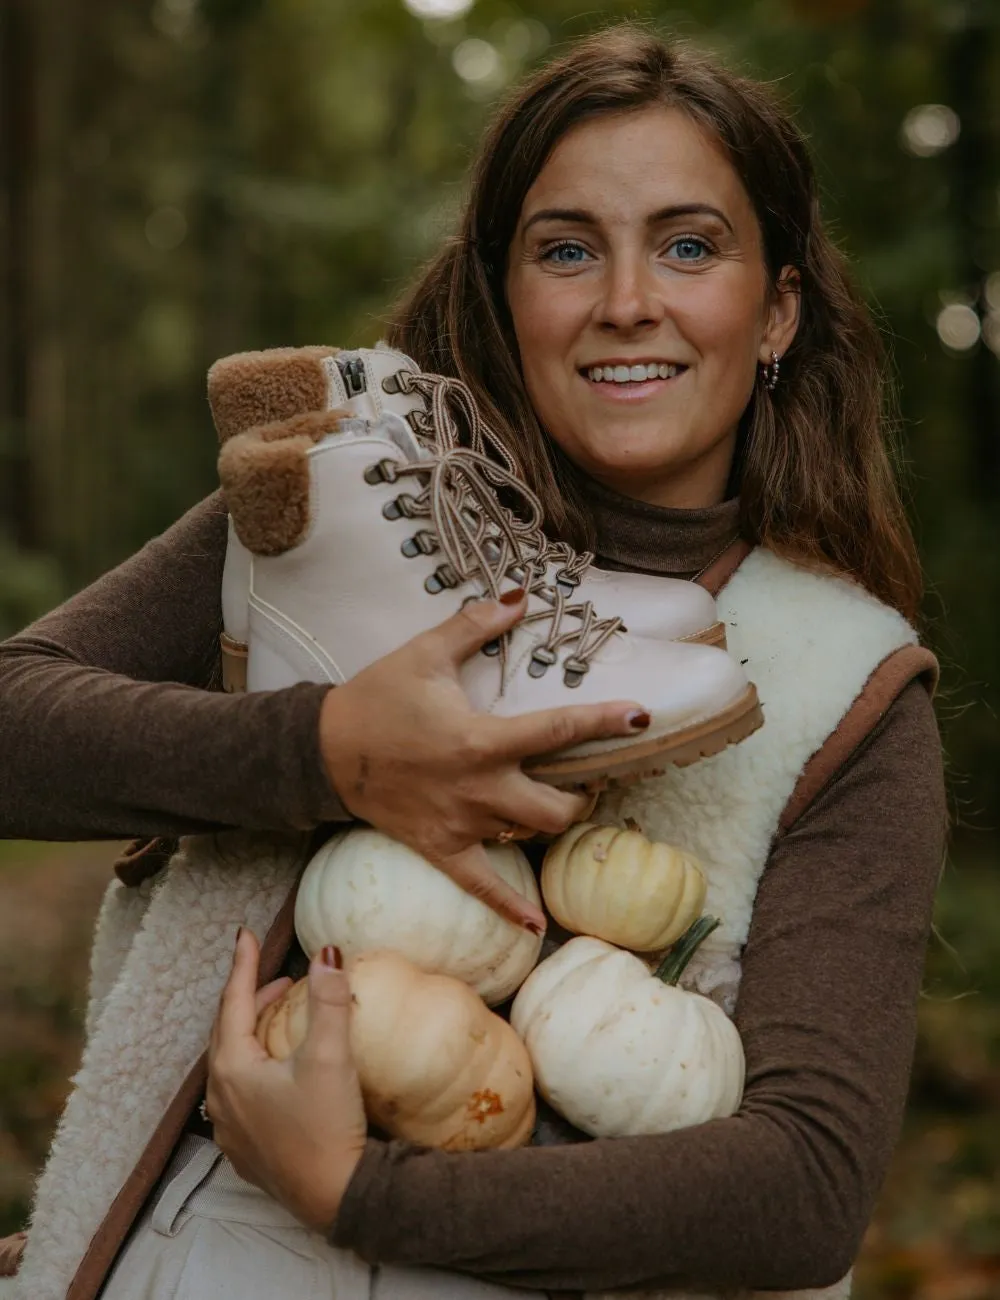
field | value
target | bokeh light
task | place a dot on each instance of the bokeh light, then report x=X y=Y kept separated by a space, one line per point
x=478 y=62
x=166 y=228
x=930 y=129
x=438 y=8
x=958 y=327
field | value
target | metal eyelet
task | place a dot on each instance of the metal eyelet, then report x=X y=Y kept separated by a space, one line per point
x=422 y=543
x=574 y=671
x=400 y=507
x=542 y=659
x=391 y=384
x=565 y=583
x=382 y=472
x=492 y=648
x=444 y=576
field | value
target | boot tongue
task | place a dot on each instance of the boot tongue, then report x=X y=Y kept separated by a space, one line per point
x=390 y=426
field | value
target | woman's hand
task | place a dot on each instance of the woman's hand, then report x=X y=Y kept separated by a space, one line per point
x=295 y=1128
x=406 y=752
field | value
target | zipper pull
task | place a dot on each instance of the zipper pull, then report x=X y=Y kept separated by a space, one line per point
x=353 y=371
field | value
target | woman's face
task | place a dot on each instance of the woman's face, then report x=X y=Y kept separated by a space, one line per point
x=637 y=246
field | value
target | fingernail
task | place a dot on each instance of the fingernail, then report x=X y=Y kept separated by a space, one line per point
x=239 y=934
x=332 y=956
x=534 y=928
x=512 y=597
x=638 y=719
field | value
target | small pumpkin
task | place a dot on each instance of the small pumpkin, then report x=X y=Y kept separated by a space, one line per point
x=364 y=890
x=436 y=1065
x=618 y=1050
x=617 y=885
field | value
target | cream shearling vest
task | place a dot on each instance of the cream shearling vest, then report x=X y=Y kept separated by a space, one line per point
x=162 y=953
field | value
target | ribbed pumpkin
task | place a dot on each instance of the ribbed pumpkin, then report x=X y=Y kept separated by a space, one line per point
x=621 y=1051
x=436 y=1065
x=364 y=890
x=617 y=885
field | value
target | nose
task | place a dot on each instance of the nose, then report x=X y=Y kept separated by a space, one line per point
x=631 y=295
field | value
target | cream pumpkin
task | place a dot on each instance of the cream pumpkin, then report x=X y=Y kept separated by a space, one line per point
x=436 y=1065
x=618 y=1051
x=617 y=885
x=363 y=890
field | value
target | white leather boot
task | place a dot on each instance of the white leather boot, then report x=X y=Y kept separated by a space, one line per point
x=360 y=535
x=264 y=387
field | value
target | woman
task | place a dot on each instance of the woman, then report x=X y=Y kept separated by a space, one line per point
x=633 y=203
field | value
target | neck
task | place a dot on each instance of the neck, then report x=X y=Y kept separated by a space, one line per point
x=641 y=536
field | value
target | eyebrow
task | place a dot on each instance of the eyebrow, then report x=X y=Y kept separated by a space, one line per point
x=580 y=216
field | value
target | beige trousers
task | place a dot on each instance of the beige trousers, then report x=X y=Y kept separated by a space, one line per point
x=210 y=1235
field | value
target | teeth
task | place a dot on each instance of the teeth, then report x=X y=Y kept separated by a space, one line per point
x=631 y=374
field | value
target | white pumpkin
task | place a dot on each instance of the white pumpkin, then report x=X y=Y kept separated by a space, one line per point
x=614 y=884
x=364 y=891
x=617 y=1051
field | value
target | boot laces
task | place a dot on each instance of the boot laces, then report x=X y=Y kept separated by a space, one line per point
x=438 y=425
x=481 y=539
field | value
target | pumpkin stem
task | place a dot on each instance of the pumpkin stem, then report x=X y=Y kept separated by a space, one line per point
x=672 y=967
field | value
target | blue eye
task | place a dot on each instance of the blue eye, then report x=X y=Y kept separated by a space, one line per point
x=689 y=249
x=565 y=254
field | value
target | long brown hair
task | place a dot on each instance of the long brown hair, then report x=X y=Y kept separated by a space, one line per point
x=812 y=468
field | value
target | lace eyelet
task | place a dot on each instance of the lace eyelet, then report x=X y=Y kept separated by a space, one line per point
x=400 y=507
x=422 y=543
x=383 y=471
x=491 y=648
x=443 y=577
x=542 y=659
x=574 y=671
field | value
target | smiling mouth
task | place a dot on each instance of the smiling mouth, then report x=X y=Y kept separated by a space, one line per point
x=641 y=373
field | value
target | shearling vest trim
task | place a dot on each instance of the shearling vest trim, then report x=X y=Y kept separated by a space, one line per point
x=162 y=951
x=810 y=643
x=162 y=954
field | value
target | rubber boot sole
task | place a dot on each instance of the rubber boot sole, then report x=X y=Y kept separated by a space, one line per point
x=652 y=757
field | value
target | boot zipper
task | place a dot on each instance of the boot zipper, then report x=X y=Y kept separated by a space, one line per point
x=353 y=372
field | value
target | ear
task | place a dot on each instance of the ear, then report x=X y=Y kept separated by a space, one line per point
x=782 y=315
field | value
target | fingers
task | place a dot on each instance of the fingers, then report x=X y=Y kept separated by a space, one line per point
x=547 y=730
x=270 y=993
x=475 y=624
x=327 y=1042
x=521 y=802
x=237 y=1016
x=471 y=870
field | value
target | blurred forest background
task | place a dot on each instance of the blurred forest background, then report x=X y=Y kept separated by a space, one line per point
x=182 y=179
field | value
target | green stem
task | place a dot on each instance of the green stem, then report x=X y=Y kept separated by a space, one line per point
x=672 y=966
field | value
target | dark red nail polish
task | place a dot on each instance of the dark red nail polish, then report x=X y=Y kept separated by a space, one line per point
x=332 y=956
x=638 y=719
x=512 y=597
x=239 y=934
x=534 y=928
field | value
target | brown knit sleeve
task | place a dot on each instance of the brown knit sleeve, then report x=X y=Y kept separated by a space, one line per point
x=779 y=1195
x=107 y=728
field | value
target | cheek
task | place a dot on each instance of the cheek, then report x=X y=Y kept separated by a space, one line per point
x=545 y=324
x=727 y=323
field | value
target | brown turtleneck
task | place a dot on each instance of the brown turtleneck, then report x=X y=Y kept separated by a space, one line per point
x=107 y=730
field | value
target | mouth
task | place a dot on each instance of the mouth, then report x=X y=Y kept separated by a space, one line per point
x=635 y=380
